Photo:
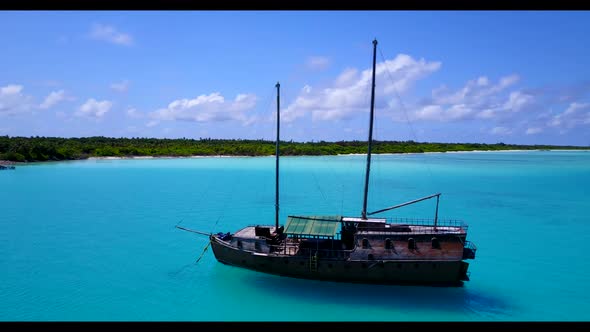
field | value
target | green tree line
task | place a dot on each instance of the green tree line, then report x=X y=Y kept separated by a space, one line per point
x=28 y=149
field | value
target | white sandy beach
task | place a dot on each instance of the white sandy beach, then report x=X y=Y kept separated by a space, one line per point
x=350 y=154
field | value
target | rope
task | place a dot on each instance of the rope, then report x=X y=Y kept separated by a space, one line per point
x=408 y=122
x=203 y=253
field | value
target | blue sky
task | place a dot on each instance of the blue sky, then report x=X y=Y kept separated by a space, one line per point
x=497 y=76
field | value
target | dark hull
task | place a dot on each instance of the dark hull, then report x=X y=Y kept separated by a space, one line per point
x=400 y=272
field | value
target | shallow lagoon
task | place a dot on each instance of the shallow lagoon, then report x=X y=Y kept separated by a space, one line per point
x=95 y=239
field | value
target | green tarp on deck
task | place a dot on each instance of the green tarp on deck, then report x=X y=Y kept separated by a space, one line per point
x=313 y=225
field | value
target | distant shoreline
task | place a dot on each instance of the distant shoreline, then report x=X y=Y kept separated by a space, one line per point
x=7 y=162
x=41 y=149
x=326 y=155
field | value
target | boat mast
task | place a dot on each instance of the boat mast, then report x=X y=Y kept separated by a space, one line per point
x=277 y=156
x=364 y=213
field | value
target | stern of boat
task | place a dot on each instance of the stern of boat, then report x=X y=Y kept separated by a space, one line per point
x=469 y=250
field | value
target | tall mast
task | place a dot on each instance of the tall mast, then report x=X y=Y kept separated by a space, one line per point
x=277 y=155
x=364 y=213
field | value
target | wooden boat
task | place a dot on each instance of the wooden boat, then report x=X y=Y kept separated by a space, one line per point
x=359 y=249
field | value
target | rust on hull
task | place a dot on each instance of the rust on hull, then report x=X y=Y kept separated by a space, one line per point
x=402 y=272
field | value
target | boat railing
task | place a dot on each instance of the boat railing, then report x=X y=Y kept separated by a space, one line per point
x=427 y=225
x=470 y=245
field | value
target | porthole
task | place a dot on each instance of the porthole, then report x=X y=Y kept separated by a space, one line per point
x=411 y=243
x=435 y=243
x=365 y=243
x=387 y=243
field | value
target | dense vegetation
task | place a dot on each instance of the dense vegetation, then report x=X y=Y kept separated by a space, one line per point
x=24 y=149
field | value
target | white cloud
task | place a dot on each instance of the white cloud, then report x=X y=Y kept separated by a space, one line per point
x=134 y=113
x=479 y=98
x=347 y=77
x=206 y=108
x=349 y=93
x=122 y=86
x=318 y=62
x=533 y=130
x=473 y=92
x=438 y=113
x=52 y=99
x=94 y=109
x=575 y=115
x=13 y=101
x=110 y=34
x=500 y=131
x=518 y=101
x=11 y=89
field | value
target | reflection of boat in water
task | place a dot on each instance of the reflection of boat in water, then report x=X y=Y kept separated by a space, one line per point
x=352 y=249
x=6 y=167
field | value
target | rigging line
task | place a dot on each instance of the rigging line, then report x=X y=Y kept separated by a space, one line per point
x=203 y=253
x=209 y=185
x=269 y=100
x=405 y=112
x=177 y=272
x=318 y=186
x=214 y=225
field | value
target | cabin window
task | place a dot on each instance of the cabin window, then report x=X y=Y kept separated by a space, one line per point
x=365 y=243
x=257 y=246
x=411 y=243
x=387 y=243
x=239 y=244
x=435 y=243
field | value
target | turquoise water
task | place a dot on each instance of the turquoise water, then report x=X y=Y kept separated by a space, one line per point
x=95 y=239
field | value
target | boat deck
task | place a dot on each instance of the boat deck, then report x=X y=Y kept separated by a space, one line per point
x=250 y=232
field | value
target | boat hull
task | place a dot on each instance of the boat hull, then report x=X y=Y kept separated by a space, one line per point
x=401 y=272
